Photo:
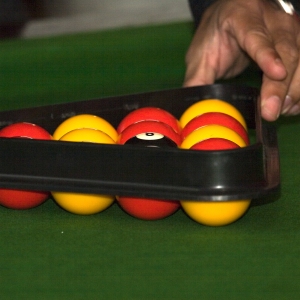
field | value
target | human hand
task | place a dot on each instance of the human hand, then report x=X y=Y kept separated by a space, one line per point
x=234 y=32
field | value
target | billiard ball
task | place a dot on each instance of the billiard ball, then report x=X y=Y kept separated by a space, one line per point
x=149 y=114
x=215 y=118
x=85 y=121
x=214 y=144
x=23 y=199
x=148 y=209
x=25 y=130
x=216 y=213
x=149 y=134
x=78 y=203
x=88 y=135
x=210 y=105
x=82 y=204
x=212 y=131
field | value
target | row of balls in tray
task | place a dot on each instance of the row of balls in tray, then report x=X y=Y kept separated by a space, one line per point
x=210 y=124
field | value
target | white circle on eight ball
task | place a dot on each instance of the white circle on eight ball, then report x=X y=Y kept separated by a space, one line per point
x=150 y=136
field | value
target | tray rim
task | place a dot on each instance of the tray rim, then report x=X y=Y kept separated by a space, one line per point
x=264 y=132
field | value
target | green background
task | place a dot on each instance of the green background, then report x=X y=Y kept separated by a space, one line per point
x=47 y=253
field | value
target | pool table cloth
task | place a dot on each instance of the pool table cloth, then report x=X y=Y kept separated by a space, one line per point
x=48 y=253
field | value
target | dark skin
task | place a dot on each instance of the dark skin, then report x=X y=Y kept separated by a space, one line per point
x=234 y=32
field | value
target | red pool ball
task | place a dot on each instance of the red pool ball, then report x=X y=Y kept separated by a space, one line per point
x=215 y=144
x=148 y=209
x=209 y=132
x=215 y=213
x=216 y=118
x=21 y=199
x=149 y=134
x=149 y=114
x=25 y=130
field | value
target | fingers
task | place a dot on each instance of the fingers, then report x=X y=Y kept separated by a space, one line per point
x=213 y=53
x=200 y=65
x=275 y=47
x=291 y=104
x=280 y=95
x=199 y=71
x=275 y=93
x=292 y=101
x=260 y=47
x=233 y=31
x=272 y=97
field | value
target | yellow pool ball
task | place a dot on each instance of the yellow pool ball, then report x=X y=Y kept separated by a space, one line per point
x=215 y=213
x=211 y=105
x=84 y=204
x=87 y=135
x=85 y=121
x=212 y=131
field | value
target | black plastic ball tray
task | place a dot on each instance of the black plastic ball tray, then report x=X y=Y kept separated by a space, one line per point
x=163 y=173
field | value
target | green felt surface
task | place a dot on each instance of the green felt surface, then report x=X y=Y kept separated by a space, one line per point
x=92 y=65
x=47 y=253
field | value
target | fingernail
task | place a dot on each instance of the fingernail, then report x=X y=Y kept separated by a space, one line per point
x=287 y=104
x=294 y=110
x=271 y=107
